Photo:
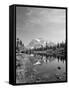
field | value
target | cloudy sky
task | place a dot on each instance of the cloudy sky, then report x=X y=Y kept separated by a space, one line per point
x=45 y=23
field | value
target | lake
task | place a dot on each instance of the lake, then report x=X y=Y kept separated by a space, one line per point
x=35 y=68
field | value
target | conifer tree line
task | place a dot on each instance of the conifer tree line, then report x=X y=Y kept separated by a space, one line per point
x=61 y=46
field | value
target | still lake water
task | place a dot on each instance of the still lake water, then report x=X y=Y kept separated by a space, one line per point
x=43 y=68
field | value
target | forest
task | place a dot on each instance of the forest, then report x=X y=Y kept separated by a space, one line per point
x=58 y=49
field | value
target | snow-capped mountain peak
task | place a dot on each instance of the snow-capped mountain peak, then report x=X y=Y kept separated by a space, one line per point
x=36 y=43
x=39 y=42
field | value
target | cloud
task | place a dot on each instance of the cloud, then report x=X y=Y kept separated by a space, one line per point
x=40 y=22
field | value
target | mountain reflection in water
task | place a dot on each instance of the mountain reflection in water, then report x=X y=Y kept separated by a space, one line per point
x=35 y=68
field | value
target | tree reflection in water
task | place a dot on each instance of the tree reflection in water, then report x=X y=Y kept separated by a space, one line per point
x=29 y=70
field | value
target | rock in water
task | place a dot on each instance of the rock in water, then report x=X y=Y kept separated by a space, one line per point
x=59 y=68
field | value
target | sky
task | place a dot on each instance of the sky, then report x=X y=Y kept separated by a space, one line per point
x=45 y=23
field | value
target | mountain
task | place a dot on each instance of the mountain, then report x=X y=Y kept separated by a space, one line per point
x=50 y=44
x=37 y=43
x=34 y=44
